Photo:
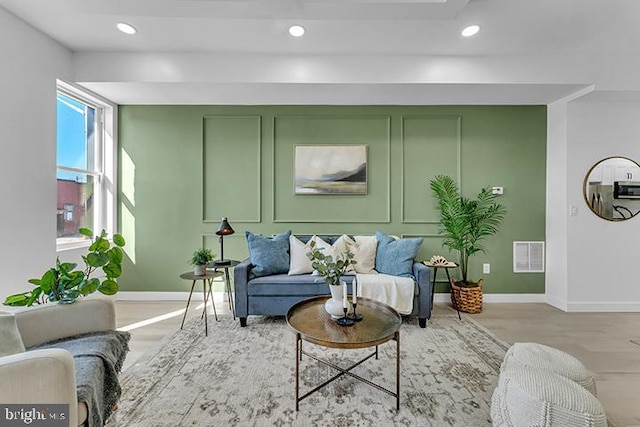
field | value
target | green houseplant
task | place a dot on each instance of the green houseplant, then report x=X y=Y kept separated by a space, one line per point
x=466 y=222
x=64 y=283
x=200 y=259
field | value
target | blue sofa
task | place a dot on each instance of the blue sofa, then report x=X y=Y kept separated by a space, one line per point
x=274 y=294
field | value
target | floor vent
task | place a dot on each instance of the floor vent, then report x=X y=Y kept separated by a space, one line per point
x=528 y=257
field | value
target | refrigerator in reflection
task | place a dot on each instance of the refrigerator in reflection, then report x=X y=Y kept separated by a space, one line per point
x=600 y=198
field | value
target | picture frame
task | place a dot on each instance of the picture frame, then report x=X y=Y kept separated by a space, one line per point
x=330 y=169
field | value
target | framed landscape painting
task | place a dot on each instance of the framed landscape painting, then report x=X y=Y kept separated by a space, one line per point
x=330 y=169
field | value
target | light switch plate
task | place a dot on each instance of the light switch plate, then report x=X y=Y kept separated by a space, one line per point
x=573 y=210
x=497 y=190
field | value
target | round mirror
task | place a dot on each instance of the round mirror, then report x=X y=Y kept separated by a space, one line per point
x=612 y=188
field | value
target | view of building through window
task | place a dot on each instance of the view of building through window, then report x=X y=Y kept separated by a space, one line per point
x=78 y=171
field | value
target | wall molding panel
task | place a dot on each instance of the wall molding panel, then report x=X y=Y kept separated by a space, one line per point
x=430 y=145
x=373 y=131
x=232 y=172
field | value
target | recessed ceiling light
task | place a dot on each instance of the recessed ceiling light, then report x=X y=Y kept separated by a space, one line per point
x=471 y=30
x=296 y=30
x=126 y=28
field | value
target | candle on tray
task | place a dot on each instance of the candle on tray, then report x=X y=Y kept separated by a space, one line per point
x=345 y=301
x=354 y=289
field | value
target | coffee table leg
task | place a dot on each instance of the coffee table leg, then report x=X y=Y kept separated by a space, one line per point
x=298 y=358
x=376 y=352
x=397 y=338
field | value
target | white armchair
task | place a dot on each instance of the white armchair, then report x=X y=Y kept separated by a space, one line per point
x=48 y=375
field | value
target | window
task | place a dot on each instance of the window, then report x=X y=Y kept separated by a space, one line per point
x=85 y=186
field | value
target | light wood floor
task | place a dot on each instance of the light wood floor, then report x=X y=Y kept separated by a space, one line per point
x=607 y=343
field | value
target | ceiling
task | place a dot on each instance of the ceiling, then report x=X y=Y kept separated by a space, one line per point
x=340 y=27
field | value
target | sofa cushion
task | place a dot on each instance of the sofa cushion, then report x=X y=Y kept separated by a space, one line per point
x=299 y=263
x=364 y=248
x=269 y=255
x=284 y=284
x=10 y=339
x=395 y=257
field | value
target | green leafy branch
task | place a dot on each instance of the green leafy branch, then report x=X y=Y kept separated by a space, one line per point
x=329 y=269
x=64 y=283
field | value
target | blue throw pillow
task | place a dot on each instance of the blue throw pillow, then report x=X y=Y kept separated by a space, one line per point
x=395 y=257
x=269 y=255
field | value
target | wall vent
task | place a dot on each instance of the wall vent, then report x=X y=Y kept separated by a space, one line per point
x=528 y=257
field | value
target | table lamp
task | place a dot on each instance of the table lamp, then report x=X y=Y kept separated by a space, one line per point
x=223 y=230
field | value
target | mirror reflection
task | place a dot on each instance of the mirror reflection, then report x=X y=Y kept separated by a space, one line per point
x=612 y=188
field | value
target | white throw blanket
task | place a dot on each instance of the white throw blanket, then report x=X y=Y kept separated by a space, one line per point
x=394 y=291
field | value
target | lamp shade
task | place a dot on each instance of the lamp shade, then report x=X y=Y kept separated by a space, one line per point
x=224 y=229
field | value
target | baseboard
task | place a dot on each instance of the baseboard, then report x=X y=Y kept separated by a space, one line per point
x=197 y=296
x=159 y=296
x=596 y=307
x=557 y=302
x=444 y=297
x=603 y=307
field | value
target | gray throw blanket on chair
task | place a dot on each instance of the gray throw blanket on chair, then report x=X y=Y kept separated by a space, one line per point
x=98 y=358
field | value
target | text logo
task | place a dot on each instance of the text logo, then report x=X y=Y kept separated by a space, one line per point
x=34 y=415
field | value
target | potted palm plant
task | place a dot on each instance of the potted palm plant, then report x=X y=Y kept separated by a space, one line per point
x=465 y=224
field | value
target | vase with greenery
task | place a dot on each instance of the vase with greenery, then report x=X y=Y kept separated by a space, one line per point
x=331 y=269
x=64 y=283
x=466 y=222
x=200 y=259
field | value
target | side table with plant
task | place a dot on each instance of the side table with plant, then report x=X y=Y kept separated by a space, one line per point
x=63 y=283
x=331 y=270
x=465 y=224
x=200 y=259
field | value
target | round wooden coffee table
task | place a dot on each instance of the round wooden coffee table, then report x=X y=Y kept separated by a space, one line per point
x=309 y=321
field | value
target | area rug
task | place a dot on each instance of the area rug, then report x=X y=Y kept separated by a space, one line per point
x=245 y=377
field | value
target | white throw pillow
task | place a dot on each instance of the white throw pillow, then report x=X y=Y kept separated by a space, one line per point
x=366 y=247
x=364 y=250
x=337 y=250
x=10 y=339
x=299 y=263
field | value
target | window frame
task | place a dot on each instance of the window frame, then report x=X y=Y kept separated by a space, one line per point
x=105 y=161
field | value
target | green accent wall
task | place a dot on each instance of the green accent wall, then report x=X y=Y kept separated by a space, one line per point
x=182 y=168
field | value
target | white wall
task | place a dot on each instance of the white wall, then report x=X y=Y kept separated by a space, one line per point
x=556 y=276
x=252 y=78
x=31 y=62
x=602 y=256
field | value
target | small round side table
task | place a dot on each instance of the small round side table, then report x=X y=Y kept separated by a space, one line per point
x=226 y=265
x=433 y=284
x=206 y=278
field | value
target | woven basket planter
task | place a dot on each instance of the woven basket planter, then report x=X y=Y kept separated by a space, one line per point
x=468 y=300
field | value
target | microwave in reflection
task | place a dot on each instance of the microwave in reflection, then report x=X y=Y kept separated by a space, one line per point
x=626 y=190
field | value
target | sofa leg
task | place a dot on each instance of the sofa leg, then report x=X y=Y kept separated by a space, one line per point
x=243 y=322
x=422 y=322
